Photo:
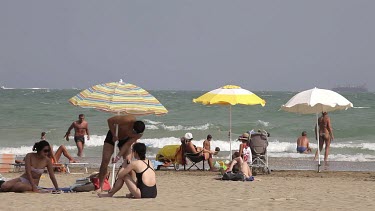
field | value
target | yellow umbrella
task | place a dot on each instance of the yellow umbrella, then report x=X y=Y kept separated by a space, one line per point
x=230 y=95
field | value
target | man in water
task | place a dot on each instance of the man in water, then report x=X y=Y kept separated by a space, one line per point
x=129 y=131
x=81 y=128
x=303 y=143
x=325 y=135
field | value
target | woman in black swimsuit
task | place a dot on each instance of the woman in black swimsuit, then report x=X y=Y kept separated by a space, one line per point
x=145 y=186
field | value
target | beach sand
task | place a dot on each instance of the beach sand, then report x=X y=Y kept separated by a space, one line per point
x=195 y=190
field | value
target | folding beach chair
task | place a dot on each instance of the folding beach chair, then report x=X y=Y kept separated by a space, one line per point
x=193 y=158
x=7 y=163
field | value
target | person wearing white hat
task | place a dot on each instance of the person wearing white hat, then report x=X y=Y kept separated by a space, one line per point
x=191 y=148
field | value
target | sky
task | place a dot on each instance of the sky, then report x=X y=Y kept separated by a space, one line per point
x=288 y=45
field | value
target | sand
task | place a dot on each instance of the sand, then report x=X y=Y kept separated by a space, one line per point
x=195 y=190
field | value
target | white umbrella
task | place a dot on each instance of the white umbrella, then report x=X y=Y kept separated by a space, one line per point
x=314 y=101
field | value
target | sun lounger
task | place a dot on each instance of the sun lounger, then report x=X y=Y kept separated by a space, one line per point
x=7 y=163
x=83 y=165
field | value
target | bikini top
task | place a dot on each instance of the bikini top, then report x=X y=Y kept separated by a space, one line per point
x=37 y=171
x=139 y=175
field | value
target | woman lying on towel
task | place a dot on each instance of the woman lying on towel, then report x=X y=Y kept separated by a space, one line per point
x=145 y=186
x=35 y=163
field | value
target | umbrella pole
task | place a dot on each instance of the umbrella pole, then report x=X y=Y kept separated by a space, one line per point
x=230 y=131
x=114 y=164
x=317 y=135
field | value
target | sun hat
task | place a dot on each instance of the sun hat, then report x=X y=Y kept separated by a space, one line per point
x=244 y=136
x=188 y=136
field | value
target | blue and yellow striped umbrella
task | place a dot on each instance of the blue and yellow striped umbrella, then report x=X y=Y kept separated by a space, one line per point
x=119 y=98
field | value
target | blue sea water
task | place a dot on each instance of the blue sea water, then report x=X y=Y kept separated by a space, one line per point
x=25 y=113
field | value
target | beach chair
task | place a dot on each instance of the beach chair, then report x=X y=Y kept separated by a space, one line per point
x=7 y=163
x=193 y=158
x=258 y=145
x=82 y=165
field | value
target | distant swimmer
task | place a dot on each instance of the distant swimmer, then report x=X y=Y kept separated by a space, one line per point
x=325 y=134
x=81 y=128
x=303 y=143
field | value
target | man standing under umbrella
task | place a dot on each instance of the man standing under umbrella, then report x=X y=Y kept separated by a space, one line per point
x=129 y=131
x=81 y=128
x=325 y=134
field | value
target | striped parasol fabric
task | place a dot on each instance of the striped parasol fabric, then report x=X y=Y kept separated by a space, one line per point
x=119 y=98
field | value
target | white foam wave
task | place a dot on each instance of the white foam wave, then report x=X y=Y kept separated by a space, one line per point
x=186 y=128
x=361 y=107
x=151 y=127
x=152 y=122
x=263 y=123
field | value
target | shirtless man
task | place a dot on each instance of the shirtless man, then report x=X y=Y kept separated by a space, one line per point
x=303 y=143
x=129 y=131
x=81 y=128
x=325 y=134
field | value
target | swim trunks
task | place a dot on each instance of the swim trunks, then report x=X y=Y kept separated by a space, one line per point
x=79 y=138
x=301 y=149
x=109 y=137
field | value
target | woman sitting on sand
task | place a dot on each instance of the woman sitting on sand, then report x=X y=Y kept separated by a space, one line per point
x=241 y=165
x=34 y=168
x=145 y=187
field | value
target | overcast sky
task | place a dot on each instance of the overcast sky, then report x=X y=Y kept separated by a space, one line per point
x=188 y=45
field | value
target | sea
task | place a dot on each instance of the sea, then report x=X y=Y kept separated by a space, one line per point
x=25 y=113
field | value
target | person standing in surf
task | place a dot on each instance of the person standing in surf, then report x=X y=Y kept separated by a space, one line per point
x=325 y=135
x=81 y=128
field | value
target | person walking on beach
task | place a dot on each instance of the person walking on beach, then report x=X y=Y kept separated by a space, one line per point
x=303 y=143
x=325 y=135
x=129 y=131
x=81 y=128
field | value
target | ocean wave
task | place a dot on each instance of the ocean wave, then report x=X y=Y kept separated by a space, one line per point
x=361 y=107
x=151 y=122
x=263 y=123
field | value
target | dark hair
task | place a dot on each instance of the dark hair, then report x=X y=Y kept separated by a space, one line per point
x=209 y=136
x=43 y=134
x=304 y=133
x=235 y=155
x=81 y=115
x=38 y=146
x=139 y=127
x=140 y=149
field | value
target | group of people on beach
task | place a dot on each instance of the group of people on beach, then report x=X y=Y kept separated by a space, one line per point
x=129 y=131
x=325 y=134
x=138 y=174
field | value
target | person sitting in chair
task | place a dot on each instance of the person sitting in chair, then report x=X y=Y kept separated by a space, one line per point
x=191 y=148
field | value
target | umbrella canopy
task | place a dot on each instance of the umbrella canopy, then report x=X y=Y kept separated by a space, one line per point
x=119 y=98
x=314 y=101
x=230 y=95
